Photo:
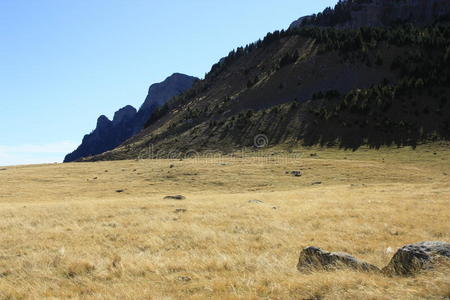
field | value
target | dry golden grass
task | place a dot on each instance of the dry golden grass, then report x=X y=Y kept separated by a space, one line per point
x=65 y=234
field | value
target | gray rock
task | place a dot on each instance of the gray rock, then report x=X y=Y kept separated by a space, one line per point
x=296 y=173
x=175 y=197
x=255 y=201
x=313 y=258
x=5 y=273
x=412 y=258
x=384 y=13
x=184 y=278
x=300 y=21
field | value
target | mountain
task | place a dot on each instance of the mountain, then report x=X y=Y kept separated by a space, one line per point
x=127 y=121
x=371 y=13
x=311 y=85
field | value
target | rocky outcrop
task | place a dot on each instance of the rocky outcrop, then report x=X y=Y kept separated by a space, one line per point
x=313 y=258
x=127 y=121
x=175 y=197
x=377 y=13
x=125 y=113
x=408 y=260
x=412 y=258
x=159 y=93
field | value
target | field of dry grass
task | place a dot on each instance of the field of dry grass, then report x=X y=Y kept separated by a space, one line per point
x=66 y=231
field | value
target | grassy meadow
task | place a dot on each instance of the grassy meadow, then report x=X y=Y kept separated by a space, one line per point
x=104 y=230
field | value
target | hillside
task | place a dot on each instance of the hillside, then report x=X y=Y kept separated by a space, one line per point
x=311 y=86
x=128 y=121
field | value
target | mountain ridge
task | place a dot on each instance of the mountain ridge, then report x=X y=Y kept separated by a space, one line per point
x=377 y=13
x=311 y=85
x=128 y=121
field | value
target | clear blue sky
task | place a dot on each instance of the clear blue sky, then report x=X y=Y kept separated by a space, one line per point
x=65 y=62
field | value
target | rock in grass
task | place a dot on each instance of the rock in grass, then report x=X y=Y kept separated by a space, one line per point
x=175 y=197
x=184 y=278
x=255 y=201
x=120 y=191
x=5 y=273
x=316 y=259
x=296 y=173
x=412 y=258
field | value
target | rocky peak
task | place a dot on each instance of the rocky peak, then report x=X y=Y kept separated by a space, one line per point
x=377 y=13
x=125 y=113
x=103 y=122
x=127 y=121
x=173 y=85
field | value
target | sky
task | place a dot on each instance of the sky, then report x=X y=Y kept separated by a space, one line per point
x=63 y=63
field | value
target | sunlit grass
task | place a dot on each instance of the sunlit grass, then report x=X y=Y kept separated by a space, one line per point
x=66 y=232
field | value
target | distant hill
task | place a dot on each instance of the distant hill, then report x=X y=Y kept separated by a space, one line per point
x=312 y=85
x=127 y=121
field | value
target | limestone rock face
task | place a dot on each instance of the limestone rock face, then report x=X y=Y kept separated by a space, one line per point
x=412 y=258
x=125 y=113
x=127 y=121
x=379 y=13
x=313 y=258
x=299 y=22
x=103 y=122
x=160 y=93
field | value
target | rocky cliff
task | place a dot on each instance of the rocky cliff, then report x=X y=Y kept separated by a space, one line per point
x=128 y=121
x=378 y=13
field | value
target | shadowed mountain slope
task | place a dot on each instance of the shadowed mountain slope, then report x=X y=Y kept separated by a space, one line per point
x=127 y=121
x=311 y=85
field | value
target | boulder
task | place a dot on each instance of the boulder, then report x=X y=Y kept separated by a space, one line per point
x=313 y=258
x=412 y=258
x=175 y=197
x=255 y=201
